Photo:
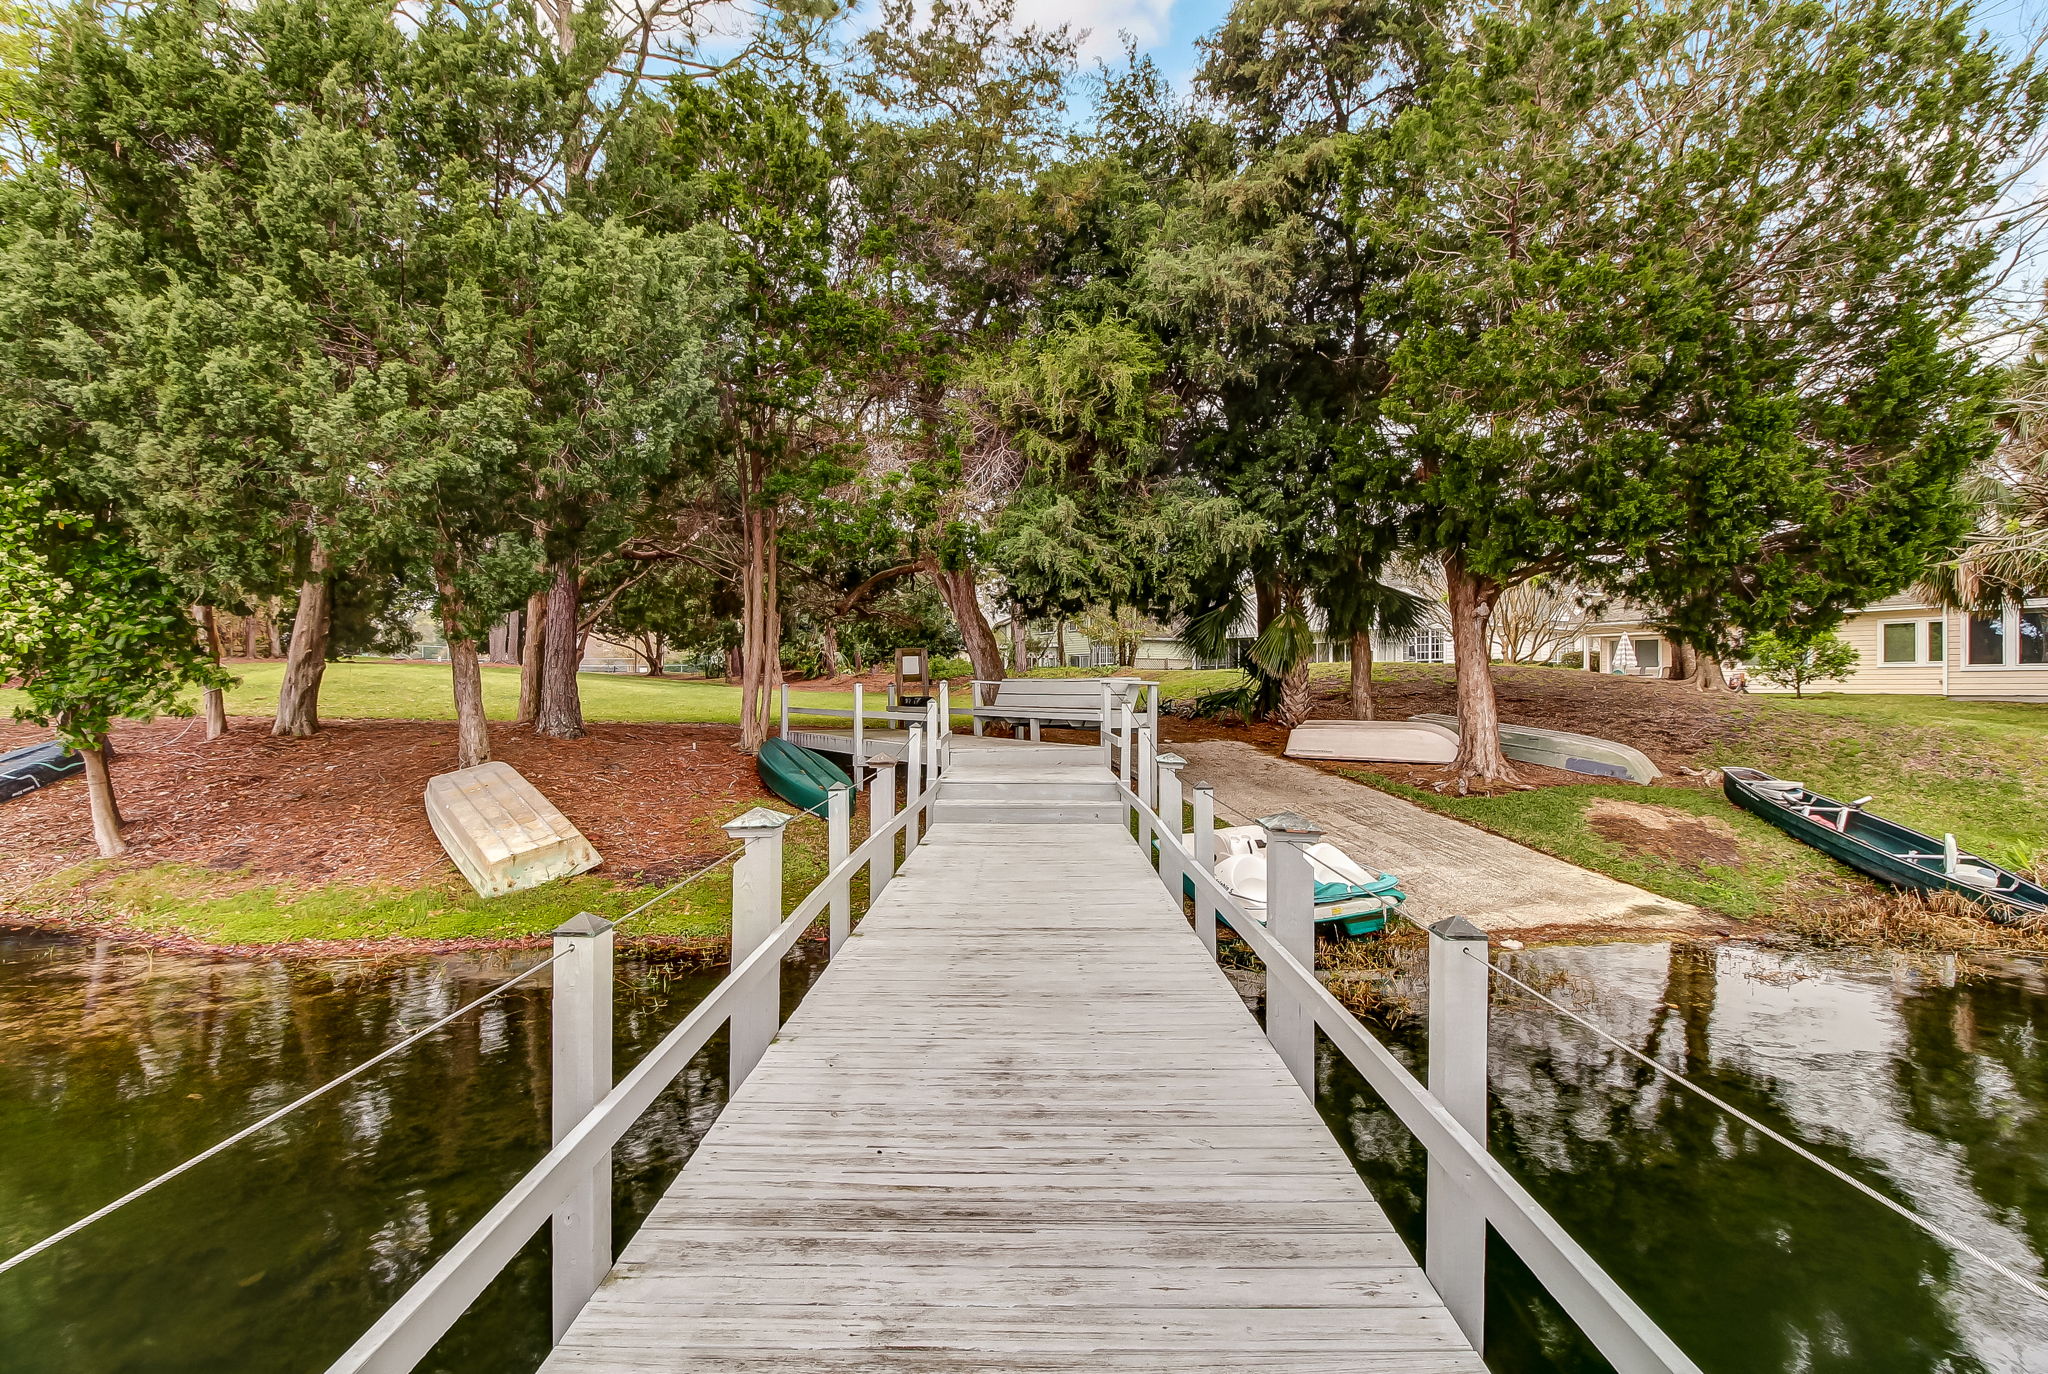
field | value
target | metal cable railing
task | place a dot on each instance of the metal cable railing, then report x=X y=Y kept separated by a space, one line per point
x=1939 y=1233
x=257 y=1127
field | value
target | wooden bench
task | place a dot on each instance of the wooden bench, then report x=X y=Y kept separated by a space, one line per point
x=1073 y=703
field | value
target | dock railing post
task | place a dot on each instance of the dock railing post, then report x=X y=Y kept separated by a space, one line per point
x=1148 y=767
x=1203 y=854
x=1106 y=734
x=860 y=723
x=1127 y=744
x=785 y=710
x=1152 y=697
x=756 y=911
x=1291 y=919
x=1454 y=1242
x=881 y=810
x=934 y=741
x=946 y=713
x=911 y=789
x=1171 y=855
x=582 y=1062
x=838 y=844
x=1147 y=792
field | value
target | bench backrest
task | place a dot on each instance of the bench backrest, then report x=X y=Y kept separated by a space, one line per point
x=1056 y=693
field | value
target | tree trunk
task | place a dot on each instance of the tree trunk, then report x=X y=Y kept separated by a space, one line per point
x=956 y=588
x=99 y=791
x=530 y=657
x=298 y=701
x=1684 y=662
x=829 y=657
x=213 y=699
x=1295 y=697
x=1020 y=641
x=1479 y=755
x=656 y=651
x=1362 y=705
x=265 y=625
x=1707 y=674
x=1059 y=640
x=760 y=628
x=560 y=715
x=472 y=734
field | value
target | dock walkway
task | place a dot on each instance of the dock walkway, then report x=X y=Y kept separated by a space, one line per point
x=1022 y=1122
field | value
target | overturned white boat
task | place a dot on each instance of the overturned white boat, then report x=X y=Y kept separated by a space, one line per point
x=501 y=832
x=1574 y=753
x=1373 y=741
x=1350 y=899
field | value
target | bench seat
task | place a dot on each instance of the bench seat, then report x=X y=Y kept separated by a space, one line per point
x=1071 y=703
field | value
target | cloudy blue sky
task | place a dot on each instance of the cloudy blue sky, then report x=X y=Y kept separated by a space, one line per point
x=1167 y=29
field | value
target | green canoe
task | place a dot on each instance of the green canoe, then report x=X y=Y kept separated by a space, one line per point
x=1887 y=851
x=797 y=775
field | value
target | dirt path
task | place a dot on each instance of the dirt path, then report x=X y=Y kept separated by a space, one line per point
x=1448 y=868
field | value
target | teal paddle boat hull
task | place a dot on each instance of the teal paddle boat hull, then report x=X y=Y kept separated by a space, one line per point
x=798 y=775
x=1885 y=850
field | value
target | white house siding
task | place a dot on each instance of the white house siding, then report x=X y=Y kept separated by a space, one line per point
x=1980 y=682
x=1865 y=633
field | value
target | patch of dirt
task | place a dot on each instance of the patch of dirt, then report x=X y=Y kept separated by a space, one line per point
x=1695 y=841
x=344 y=806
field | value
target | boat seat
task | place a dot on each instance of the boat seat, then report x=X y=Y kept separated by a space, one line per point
x=1834 y=817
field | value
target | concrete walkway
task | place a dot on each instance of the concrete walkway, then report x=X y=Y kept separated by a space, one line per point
x=1447 y=868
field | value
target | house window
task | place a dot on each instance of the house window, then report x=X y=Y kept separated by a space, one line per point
x=1649 y=653
x=2033 y=627
x=1426 y=645
x=1900 y=640
x=1987 y=640
x=1937 y=641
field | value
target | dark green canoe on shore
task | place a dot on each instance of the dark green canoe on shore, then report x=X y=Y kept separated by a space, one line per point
x=798 y=775
x=1882 y=849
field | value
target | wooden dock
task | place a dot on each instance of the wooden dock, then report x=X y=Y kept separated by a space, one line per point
x=1022 y=1122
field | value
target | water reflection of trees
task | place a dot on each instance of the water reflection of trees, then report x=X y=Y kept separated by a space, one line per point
x=115 y=1065
x=1750 y=1258
x=1975 y=1075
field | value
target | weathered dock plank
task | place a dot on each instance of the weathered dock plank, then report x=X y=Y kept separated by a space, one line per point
x=1022 y=1123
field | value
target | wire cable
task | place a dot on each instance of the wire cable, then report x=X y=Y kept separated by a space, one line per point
x=1794 y=1146
x=273 y=1118
x=681 y=883
x=122 y=1201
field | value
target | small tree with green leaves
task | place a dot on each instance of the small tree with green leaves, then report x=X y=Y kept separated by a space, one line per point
x=91 y=630
x=1797 y=661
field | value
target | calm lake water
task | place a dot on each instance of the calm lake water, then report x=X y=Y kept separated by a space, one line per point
x=273 y=1257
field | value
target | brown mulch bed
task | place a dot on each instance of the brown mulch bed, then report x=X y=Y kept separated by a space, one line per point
x=344 y=805
x=1670 y=721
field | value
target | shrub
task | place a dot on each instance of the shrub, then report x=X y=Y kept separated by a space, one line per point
x=1797 y=661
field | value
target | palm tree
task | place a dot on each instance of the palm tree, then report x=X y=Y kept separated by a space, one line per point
x=2005 y=558
x=1363 y=607
x=1352 y=602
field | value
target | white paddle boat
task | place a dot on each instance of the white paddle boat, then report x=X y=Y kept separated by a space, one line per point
x=1350 y=899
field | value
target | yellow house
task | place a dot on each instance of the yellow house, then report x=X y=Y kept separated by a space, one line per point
x=1905 y=645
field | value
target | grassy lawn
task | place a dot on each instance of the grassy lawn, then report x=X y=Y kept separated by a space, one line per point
x=1978 y=769
x=421 y=691
x=1555 y=820
x=237 y=909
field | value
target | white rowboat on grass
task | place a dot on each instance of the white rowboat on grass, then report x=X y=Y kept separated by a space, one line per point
x=1599 y=758
x=1373 y=741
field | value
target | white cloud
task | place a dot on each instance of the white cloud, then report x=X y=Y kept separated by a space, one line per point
x=1104 y=20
